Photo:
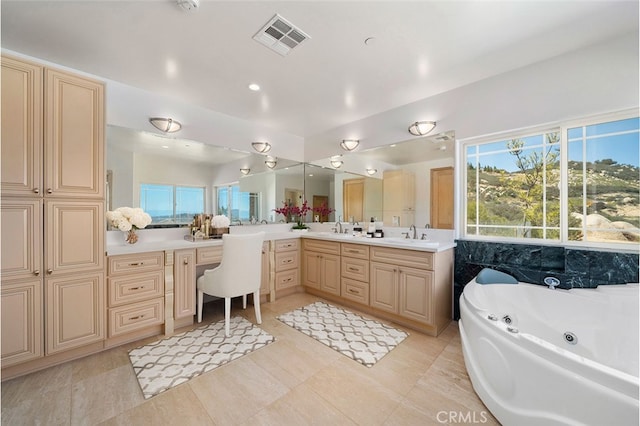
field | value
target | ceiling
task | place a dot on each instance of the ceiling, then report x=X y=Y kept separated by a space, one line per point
x=207 y=57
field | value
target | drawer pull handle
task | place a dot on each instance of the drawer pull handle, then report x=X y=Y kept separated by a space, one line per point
x=136 y=264
x=49 y=191
x=36 y=190
x=288 y=280
x=353 y=269
x=353 y=291
x=49 y=271
x=137 y=288
x=353 y=251
x=288 y=261
x=135 y=318
x=36 y=272
x=186 y=262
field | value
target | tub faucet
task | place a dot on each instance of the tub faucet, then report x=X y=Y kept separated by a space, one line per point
x=552 y=282
x=264 y=221
x=413 y=227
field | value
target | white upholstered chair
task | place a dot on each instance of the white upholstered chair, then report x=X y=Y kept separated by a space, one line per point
x=237 y=275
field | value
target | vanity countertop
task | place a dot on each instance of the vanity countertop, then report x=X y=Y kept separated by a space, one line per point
x=394 y=242
x=117 y=246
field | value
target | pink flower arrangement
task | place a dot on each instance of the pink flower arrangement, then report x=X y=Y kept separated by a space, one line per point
x=298 y=213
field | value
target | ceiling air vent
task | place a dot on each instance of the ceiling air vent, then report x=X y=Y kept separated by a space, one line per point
x=280 y=35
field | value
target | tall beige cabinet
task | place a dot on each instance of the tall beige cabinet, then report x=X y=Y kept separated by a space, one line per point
x=52 y=212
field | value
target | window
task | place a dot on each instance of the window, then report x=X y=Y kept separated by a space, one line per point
x=170 y=203
x=237 y=205
x=571 y=183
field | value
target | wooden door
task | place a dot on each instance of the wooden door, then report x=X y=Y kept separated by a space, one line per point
x=74 y=136
x=74 y=236
x=384 y=287
x=75 y=311
x=353 y=199
x=318 y=202
x=330 y=281
x=185 y=283
x=442 y=198
x=21 y=132
x=21 y=307
x=21 y=221
x=416 y=294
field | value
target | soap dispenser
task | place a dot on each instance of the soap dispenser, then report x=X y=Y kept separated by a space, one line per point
x=372 y=228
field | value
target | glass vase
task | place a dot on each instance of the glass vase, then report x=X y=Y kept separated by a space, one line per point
x=132 y=237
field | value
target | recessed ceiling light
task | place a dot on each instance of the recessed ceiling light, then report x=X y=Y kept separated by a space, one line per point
x=254 y=87
x=369 y=41
x=165 y=146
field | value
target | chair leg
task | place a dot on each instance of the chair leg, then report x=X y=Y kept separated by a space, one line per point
x=227 y=315
x=244 y=301
x=256 y=305
x=200 y=300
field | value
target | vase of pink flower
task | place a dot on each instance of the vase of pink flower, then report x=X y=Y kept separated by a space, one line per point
x=295 y=213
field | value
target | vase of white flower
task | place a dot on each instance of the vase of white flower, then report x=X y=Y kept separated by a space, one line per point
x=128 y=220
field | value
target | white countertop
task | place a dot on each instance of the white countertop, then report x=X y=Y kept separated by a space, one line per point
x=173 y=239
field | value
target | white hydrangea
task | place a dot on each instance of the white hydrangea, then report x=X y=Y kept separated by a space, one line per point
x=126 y=218
x=220 y=221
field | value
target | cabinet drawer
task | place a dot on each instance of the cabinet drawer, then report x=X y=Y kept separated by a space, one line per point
x=321 y=246
x=208 y=255
x=135 y=263
x=135 y=287
x=287 y=279
x=355 y=290
x=355 y=250
x=135 y=316
x=402 y=257
x=287 y=260
x=356 y=269
x=286 y=245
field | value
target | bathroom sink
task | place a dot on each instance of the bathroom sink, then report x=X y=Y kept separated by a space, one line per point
x=411 y=242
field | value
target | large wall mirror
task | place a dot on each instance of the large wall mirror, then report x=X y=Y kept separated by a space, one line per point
x=143 y=167
x=402 y=184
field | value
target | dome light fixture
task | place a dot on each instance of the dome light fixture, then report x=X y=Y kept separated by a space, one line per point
x=336 y=164
x=245 y=171
x=271 y=162
x=261 y=147
x=372 y=171
x=349 y=144
x=166 y=125
x=421 y=128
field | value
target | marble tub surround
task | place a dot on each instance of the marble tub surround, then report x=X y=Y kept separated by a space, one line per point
x=531 y=263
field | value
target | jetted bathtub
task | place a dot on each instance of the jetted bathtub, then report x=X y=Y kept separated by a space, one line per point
x=538 y=356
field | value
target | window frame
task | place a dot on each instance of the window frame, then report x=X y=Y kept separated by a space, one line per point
x=229 y=187
x=174 y=206
x=562 y=127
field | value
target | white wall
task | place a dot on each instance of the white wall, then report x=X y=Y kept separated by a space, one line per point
x=599 y=78
x=121 y=164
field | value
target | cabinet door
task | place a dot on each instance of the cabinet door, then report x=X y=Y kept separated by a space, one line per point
x=442 y=198
x=74 y=136
x=21 y=131
x=265 y=271
x=384 y=287
x=330 y=274
x=74 y=236
x=21 y=225
x=416 y=294
x=75 y=311
x=311 y=269
x=21 y=307
x=185 y=283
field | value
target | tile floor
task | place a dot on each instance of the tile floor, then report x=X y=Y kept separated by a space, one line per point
x=293 y=381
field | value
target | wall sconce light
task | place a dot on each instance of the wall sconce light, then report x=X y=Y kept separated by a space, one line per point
x=349 y=144
x=167 y=125
x=245 y=171
x=261 y=147
x=372 y=171
x=336 y=164
x=421 y=128
x=271 y=162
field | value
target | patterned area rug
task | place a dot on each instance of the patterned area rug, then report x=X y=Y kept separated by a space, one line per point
x=361 y=339
x=169 y=362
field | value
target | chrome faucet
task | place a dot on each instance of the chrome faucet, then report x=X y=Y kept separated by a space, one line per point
x=424 y=234
x=264 y=221
x=338 y=228
x=414 y=231
x=552 y=282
